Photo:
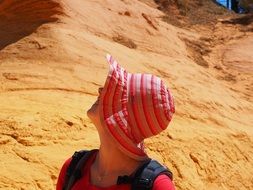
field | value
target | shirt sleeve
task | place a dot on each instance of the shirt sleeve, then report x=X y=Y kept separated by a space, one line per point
x=61 y=178
x=163 y=182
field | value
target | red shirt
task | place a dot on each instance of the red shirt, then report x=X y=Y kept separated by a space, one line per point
x=162 y=182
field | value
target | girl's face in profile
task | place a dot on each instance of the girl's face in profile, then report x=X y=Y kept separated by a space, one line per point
x=93 y=112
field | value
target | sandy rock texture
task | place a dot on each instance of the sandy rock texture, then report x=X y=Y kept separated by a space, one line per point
x=52 y=61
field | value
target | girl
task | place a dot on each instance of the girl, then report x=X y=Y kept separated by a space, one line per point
x=129 y=109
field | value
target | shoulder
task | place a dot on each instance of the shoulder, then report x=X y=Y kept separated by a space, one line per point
x=163 y=182
x=65 y=166
x=71 y=162
x=159 y=175
x=62 y=174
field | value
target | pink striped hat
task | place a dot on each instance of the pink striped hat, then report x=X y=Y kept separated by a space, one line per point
x=134 y=107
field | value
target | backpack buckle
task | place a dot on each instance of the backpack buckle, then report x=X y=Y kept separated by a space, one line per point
x=145 y=183
x=124 y=180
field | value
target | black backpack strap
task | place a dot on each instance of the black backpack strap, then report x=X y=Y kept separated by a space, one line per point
x=74 y=171
x=147 y=173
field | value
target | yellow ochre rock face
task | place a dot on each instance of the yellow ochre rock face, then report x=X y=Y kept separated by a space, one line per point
x=52 y=61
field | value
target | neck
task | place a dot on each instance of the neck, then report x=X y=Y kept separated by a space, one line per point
x=110 y=160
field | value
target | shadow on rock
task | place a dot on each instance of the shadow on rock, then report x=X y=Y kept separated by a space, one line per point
x=242 y=20
x=21 y=18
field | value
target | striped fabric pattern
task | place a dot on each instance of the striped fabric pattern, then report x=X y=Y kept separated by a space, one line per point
x=134 y=107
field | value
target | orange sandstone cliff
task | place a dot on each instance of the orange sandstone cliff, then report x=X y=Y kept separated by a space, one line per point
x=52 y=61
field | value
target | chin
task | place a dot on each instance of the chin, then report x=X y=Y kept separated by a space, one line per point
x=93 y=112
